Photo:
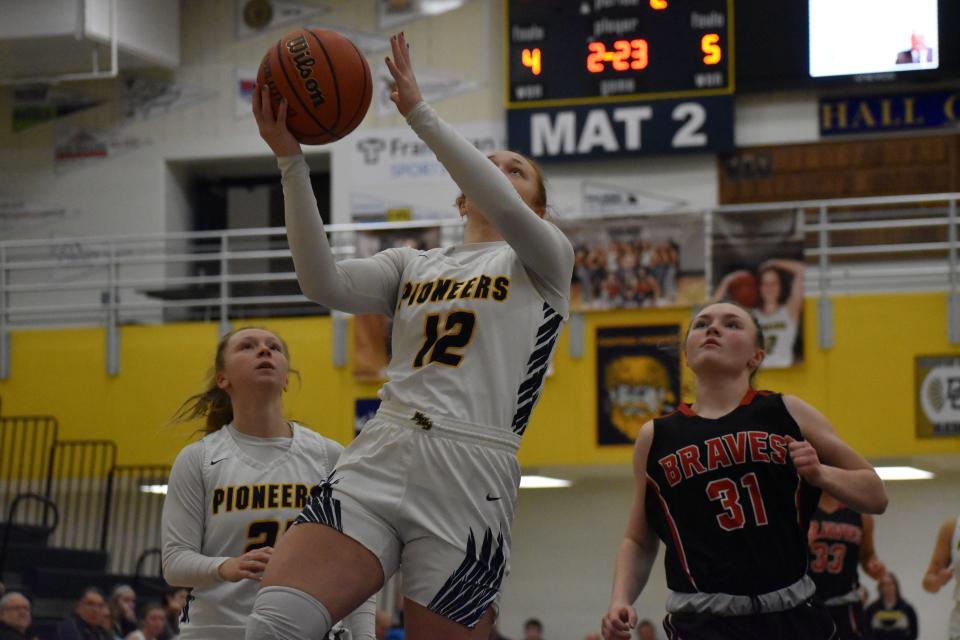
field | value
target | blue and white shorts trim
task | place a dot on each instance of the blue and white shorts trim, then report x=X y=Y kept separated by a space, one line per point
x=432 y=498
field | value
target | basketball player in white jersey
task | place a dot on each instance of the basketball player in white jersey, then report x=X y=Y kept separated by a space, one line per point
x=430 y=484
x=232 y=495
x=943 y=567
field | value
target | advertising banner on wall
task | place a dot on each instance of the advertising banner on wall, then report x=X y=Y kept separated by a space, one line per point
x=758 y=263
x=638 y=379
x=937 y=380
x=391 y=169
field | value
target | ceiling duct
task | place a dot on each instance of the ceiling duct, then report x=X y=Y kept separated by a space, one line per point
x=63 y=40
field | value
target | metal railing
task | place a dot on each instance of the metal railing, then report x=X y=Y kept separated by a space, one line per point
x=25 y=445
x=77 y=483
x=131 y=520
x=899 y=243
x=51 y=519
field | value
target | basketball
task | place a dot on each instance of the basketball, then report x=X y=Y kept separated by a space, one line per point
x=325 y=79
x=743 y=289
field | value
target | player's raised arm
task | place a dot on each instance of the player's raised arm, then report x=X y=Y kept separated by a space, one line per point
x=489 y=186
x=357 y=286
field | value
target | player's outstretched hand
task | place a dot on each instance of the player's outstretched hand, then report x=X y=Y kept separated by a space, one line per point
x=944 y=576
x=875 y=569
x=249 y=566
x=273 y=130
x=619 y=621
x=405 y=93
x=807 y=462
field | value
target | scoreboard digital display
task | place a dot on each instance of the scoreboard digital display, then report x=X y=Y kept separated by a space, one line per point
x=578 y=52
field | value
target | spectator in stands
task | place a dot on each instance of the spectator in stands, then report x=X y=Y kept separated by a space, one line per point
x=646 y=630
x=174 y=600
x=85 y=621
x=106 y=624
x=382 y=624
x=890 y=617
x=152 y=621
x=14 y=616
x=123 y=608
x=532 y=629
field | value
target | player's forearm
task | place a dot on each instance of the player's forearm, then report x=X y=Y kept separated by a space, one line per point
x=185 y=568
x=633 y=564
x=312 y=256
x=321 y=278
x=861 y=489
x=539 y=244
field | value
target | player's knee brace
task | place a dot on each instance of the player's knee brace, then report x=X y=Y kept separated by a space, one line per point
x=285 y=613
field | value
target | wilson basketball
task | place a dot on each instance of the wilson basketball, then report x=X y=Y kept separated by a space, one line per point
x=744 y=290
x=325 y=79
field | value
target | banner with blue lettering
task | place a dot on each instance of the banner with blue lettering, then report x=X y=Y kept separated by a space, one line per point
x=703 y=124
x=869 y=114
x=638 y=379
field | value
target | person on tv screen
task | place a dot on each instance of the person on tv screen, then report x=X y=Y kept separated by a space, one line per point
x=918 y=51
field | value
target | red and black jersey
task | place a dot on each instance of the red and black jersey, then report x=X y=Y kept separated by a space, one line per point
x=835 y=540
x=726 y=500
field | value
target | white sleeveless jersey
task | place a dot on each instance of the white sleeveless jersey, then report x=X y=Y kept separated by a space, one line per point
x=248 y=504
x=472 y=335
x=779 y=332
x=955 y=558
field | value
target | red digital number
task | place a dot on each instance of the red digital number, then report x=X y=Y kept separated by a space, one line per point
x=626 y=55
x=598 y=53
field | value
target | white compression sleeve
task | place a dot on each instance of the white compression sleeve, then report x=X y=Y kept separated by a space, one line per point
x=541 y=246
x=285 y=613
x=182 y=524
x=361 y=623
x=366 y=285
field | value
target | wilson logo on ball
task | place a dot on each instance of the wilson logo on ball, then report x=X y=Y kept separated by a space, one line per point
x=300 y=51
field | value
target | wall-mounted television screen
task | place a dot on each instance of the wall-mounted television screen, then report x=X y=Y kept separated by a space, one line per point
x=863 y=37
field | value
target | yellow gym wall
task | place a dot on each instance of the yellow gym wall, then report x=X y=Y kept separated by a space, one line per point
x=864 y=384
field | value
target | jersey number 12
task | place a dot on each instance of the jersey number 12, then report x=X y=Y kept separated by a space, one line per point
x=457 y=331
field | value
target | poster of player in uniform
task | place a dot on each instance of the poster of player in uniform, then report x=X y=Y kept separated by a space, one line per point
x=758 y=263
x=638 y=379
x=648 y=261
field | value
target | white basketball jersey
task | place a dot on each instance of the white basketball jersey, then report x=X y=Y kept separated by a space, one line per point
x=779 y=332
x=248 y=505
x=472 y=335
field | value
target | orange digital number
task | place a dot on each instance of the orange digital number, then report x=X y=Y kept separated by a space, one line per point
x=531 y=59
x=659 y=5
x=639 y=54
x=598 y=53
x=709 y=44
x=622 y=56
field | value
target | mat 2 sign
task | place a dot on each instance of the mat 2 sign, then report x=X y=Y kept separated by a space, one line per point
x=626 y=129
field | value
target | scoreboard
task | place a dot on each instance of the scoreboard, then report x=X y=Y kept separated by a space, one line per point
x=564 y=52
x=588 y=78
